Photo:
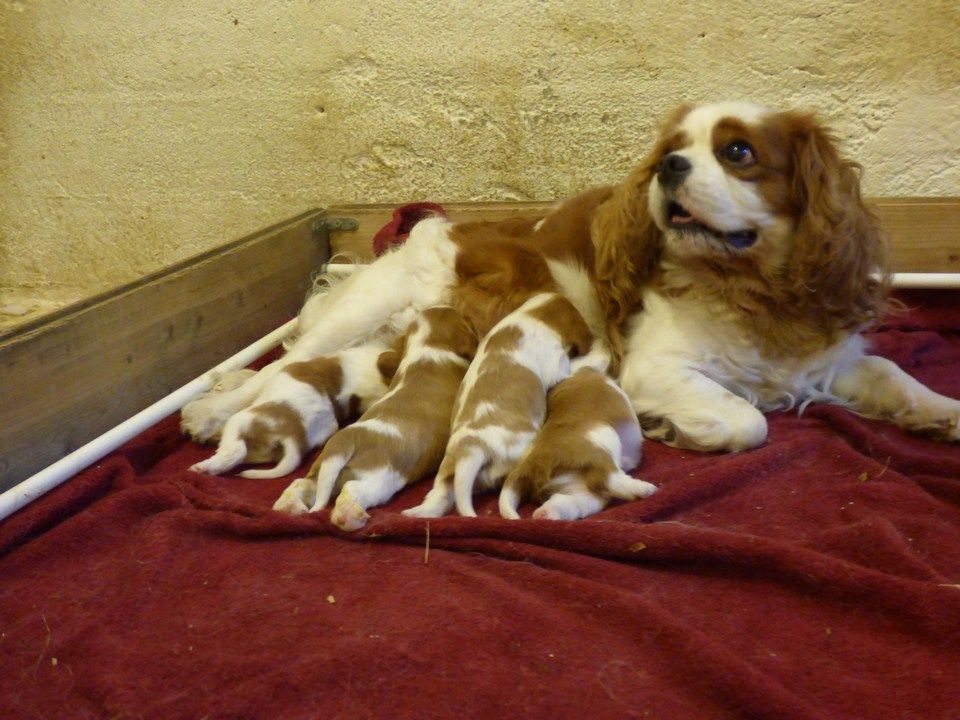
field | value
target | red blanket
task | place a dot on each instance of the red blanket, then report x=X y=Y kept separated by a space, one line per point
x=815 y=577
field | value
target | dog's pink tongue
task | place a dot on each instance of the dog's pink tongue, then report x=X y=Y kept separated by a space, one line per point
x=682 y=219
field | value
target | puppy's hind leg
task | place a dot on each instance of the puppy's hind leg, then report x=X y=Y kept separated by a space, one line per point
x=439 y=500
x=570 y=506
x=328 y=468
x=298 y=497
x=417 y=273
x=230 y=453
x=623 y=486
x=371 y=488
x=467 y=467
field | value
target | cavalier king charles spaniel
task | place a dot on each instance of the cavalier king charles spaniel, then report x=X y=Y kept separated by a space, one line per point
x=732 y=273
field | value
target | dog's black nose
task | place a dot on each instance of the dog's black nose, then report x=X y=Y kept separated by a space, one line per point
x=672 y=169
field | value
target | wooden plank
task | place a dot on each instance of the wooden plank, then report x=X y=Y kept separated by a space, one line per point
x=924 y=232
x=86 y=368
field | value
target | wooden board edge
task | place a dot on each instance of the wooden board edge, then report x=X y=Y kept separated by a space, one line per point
x=923 y=232
x=93 y=365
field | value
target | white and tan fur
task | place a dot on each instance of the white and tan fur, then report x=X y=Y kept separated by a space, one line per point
x=297 y=410
x=385 y=294
x=727 y=333
x=580 y=459
x=401 y=438
x=502 y=401
x=709 y=335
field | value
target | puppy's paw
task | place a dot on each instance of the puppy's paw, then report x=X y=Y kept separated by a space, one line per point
x=204 y=418
x=348 y=514
x=572 y=506
x=232 y=379
x=298 y=497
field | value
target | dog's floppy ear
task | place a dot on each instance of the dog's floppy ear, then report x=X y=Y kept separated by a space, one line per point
x=838 y=261
x=626 y=242
x=626 y=245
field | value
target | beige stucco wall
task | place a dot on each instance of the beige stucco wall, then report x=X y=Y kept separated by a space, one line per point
x=137 y=133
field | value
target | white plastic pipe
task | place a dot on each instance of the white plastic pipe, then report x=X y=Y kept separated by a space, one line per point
x=47 y=479
x=943 y=281
x=68 y=466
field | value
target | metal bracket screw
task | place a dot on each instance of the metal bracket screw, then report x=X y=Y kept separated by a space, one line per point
x=328 y=224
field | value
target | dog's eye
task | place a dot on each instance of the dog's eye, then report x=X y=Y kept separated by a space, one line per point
x=738 y=153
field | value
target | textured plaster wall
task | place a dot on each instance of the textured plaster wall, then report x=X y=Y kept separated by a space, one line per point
x=134 y=134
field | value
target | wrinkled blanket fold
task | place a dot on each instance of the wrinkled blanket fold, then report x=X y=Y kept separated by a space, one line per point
x=815 y=577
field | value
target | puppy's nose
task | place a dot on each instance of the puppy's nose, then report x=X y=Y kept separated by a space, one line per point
x=672 y=169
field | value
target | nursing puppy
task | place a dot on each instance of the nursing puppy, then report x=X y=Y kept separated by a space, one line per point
x=502 y=401
x=297 y=410
x=581 y=456
x=402 y=436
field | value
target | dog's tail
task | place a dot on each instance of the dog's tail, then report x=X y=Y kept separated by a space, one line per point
x=468 y=466
x=289 y=461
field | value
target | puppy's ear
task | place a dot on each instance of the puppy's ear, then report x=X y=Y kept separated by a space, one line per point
x=387 y=364
x=466 y=341
x=839 y=261
x=574 y=329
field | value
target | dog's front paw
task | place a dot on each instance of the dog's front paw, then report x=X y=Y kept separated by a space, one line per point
x=298 y=497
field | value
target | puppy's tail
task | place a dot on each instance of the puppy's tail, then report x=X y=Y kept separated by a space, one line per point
x=465 y=474
x=524 y=481
x=333 y=460
x=289 y=461
x=510 y=497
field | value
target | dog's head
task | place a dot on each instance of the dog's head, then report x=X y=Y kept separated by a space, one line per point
x=739 y=191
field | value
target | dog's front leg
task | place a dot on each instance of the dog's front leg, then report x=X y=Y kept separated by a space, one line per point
x=875 y=387
x=684 y=408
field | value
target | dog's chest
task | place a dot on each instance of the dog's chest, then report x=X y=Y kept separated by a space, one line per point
x=712 y=338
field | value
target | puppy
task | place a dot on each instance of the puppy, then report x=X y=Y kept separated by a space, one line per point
x=502 y=401
x=299 y=409
x=402 y=436
x=581 y=456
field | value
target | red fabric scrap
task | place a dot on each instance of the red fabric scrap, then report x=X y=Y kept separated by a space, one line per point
x=404 y=218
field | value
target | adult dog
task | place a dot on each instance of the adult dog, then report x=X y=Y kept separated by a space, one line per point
x=732 y=271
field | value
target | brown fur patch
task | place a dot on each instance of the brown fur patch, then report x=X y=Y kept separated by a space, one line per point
x=516 y=392
x=449 y=330
x=495 y=274
x=387 y=364
x=575 y=406
x=323 y=374
x=560 y=314
x=274 y=422
x=420 y=407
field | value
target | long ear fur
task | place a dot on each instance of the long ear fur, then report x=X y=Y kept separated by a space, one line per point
x=627 y=247
x=838 y=266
